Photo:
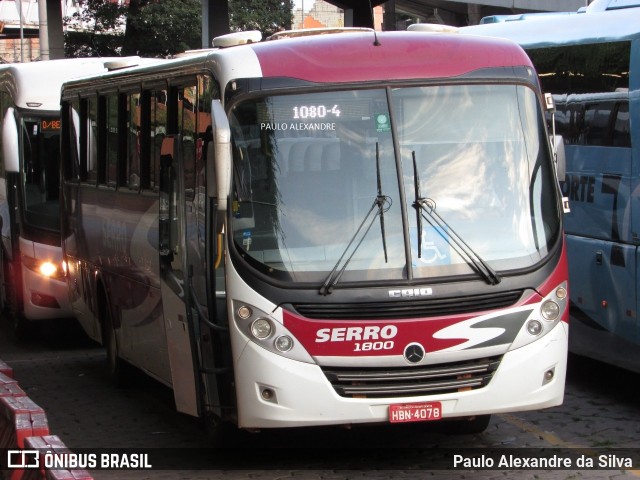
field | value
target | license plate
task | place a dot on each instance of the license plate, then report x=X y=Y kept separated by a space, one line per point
x=415 y=412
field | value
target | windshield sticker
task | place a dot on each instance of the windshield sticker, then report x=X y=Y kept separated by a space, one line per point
x=436 y=249
x=383 y=123
x=246 y=240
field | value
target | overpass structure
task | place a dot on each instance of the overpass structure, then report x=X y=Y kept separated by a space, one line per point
x=358 y=13
x=43 y=19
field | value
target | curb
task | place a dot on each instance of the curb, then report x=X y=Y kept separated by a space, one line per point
x=24 y=426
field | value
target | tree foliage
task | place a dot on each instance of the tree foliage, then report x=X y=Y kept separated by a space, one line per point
x=268 y=16
x=96 y=31
x=161 y=28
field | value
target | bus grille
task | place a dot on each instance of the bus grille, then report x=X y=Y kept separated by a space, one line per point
x=412 y=381
x=414 y=308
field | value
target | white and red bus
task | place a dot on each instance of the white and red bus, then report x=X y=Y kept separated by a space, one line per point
x=334 y=229
x=32 y=285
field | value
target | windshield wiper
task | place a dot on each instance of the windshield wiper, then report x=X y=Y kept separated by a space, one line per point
x=381 y=204
x=426 y=208
x=380 y=201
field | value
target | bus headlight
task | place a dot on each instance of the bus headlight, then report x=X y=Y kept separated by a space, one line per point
x=534 y=327
x=48 y=269
x=283 y=343
x=45 y=268
x=267 y=330
x=261 y=328
x=244 y=312
x=550 y=310
x=544 y=317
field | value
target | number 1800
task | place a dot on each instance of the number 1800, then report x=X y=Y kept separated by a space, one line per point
x=373 y=346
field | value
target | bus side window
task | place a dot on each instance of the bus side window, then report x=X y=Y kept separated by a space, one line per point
x=168 y=201
x=134 y=130
x=187 y=128
x=621 y=135
x=4 y=104
x=112 y=139
x=204 y=142
x=597 y=119
x=72 y=143
x=91 y=140
x=575 y=129
x=157 y=134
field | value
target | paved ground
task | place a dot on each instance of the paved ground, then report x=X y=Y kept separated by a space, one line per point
x=64 y=372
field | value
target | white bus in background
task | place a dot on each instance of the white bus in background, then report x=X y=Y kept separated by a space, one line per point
x=32 y=286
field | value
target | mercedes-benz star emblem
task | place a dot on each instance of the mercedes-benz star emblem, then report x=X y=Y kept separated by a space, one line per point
x=414 y=353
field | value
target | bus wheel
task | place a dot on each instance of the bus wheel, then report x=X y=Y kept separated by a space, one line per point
x=11 y=309
x=21 y=326
x=221 y=433
x=4 y=304
x=468 y=425
x=115 y=365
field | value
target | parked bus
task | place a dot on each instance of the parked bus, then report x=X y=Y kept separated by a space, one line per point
x=32 y=285
x=369 y=231
x=590 y=62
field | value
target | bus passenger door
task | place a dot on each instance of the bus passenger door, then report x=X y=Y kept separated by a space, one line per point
x=174 y=278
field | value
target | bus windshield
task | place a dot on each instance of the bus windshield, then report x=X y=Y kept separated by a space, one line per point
x=348 y=181
x=41 y=157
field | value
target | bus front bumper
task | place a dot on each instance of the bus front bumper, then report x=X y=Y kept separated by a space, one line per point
x=274 y=391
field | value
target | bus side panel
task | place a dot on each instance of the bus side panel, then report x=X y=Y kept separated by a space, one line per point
x=81 y=295
x=131 y=236
x=602 y=260
x=604 y=320
x=598 y=186
x=4 y=215
x=119 y=236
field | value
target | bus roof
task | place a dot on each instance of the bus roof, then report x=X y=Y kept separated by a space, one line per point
x=579 y=28
x=399 y=55
x=36 y=85
x=346 y=57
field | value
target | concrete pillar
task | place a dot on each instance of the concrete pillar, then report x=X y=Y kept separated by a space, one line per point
x=215 y=20
x=389 y=16
x=51 y=33
x=474 y=13
x=362 y=16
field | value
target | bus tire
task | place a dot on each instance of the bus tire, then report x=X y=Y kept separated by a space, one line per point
x=4 y=303
x=21 y=326
x=116 y=367
x=9 y=306
x=468 y=425
x=221 y=433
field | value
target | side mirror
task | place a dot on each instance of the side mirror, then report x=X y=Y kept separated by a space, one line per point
x=10 y=142
x=219 y=184
x=560 y=157
x=557 y=142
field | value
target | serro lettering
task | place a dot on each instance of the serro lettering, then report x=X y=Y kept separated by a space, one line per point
x=351 y=334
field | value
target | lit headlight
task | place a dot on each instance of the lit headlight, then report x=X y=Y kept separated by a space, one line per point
x=46 y=268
